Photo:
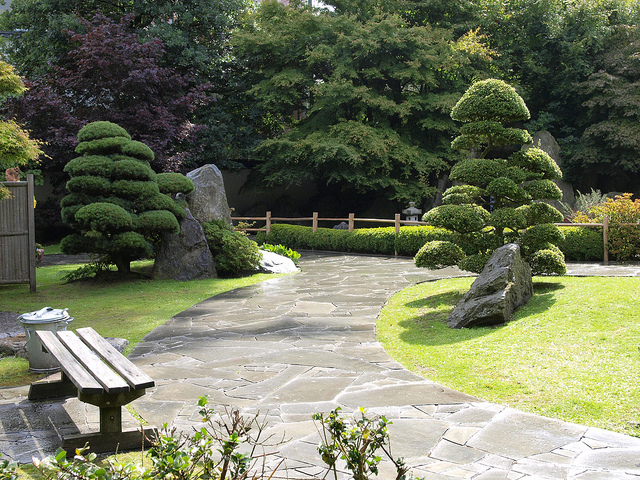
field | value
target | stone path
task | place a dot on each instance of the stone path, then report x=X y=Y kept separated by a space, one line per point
x=305 y=343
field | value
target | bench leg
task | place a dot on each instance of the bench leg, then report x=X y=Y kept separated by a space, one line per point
x=110 y=419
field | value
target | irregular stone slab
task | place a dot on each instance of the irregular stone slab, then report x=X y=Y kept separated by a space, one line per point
x=313 y=308
x=184 y=256
x=611 y=459
x=271 y=262
x=209 y=200
x=504 y=285
x=514 y=434
x=406 y=394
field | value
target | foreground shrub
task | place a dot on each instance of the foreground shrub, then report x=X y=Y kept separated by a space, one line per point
x=356 y=441
x=233 y=253
x=231 y=447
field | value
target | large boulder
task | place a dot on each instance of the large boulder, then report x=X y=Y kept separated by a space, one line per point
x=186 y=255
x=208 y=201
x=273 y=263
x=503 y=285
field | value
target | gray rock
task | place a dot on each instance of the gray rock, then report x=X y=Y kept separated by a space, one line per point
x=209 y=200
x=118 y=343
x=274 y=263
x=185 y=256
x=13 y=346
x=503 y=285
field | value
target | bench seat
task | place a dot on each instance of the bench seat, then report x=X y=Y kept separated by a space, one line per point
x=98 y=374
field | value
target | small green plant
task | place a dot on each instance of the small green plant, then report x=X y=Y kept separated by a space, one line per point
x=88 y=270
x=228 y=447
x=84 y=466
x=282 y=250
x=357 y=441
x=8 y=470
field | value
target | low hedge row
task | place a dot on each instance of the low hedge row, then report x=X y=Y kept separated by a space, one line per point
x=580 y=243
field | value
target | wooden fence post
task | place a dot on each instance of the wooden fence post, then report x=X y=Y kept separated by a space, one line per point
x=268 y=219
x=314 y=224
x=397 y=225
x=31 y=196
x=605 y=237
x=352 y=217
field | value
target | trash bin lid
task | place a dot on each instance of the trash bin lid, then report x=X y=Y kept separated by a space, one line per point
x=44 y=315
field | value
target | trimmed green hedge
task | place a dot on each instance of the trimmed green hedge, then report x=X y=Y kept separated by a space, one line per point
x=362 y=240
x=580 y=243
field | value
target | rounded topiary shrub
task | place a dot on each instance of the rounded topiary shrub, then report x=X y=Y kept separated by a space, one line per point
x=459 y=218
x=173 y=183
x=548 y=261
x=474 y=263
x=438 y=254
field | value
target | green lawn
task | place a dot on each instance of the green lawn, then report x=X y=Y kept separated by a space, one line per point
x=128 y=309
x=571 y=353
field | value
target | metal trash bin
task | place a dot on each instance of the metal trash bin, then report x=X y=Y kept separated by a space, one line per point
x=50 y=319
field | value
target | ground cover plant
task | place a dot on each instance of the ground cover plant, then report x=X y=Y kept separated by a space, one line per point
x=128 y=309
x=571 y=353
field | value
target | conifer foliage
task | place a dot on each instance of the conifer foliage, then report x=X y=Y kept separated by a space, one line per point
x=117 y=204
x=500 y=193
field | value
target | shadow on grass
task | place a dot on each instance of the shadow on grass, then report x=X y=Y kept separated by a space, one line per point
x=431 y=329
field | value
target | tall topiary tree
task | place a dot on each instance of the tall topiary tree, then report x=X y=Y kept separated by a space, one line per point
x=500 y=192
x=117 y=204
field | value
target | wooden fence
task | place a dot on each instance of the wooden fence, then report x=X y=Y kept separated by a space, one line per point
x=396 y=222
x=17 y=235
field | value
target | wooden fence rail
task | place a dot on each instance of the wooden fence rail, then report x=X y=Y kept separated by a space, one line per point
x=17 y=235
x=397 y=222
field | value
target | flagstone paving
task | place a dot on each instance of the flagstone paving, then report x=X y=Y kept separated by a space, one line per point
x=305 y=343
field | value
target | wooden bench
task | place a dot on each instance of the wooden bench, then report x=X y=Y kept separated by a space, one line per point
x=98 y=374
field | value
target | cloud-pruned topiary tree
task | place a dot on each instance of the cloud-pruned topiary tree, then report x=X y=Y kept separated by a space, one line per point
x=499 y=193
x=117 y=204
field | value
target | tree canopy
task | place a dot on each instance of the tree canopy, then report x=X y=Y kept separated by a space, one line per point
x=360 y=104
x=153 y=102
x=500 y=192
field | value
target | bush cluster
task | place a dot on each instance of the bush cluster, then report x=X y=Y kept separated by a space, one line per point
x=233 y=253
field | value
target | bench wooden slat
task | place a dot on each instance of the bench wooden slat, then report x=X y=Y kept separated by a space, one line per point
x=82 y=379
x=92 y=363
x=132 y=374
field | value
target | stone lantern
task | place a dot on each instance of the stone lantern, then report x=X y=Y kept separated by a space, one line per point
x=411 y=213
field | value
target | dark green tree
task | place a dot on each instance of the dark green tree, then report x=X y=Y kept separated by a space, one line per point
x=499 y=196
x=608 y=155
x=118 y=206
x=359 y=104
x=195 y=34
